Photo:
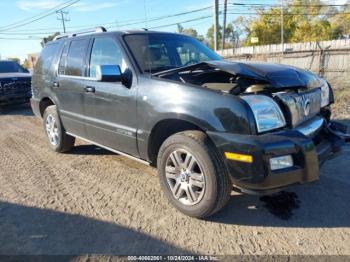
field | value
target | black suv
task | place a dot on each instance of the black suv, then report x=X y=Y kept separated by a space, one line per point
x=209 y=125
x=15 y=87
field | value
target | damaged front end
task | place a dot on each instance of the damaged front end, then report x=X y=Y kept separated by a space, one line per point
x=294 y=133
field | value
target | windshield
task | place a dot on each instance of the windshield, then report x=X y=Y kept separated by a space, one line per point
x=158 y=52
x=11 y=67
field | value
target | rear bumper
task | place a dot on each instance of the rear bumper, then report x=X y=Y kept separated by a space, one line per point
x=308 y=146
x=35 y=105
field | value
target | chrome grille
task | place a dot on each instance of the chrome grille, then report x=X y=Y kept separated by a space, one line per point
x=14 y=87
x=301 y=106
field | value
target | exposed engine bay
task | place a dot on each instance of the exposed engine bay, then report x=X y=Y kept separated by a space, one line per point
x=211 y=77
x=297 y=92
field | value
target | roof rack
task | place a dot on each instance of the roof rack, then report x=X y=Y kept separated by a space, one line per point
x=99 y=29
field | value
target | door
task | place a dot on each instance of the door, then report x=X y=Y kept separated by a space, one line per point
x=111 y=106
x=69 y=87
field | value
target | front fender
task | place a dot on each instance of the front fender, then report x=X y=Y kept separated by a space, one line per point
x=209 y=110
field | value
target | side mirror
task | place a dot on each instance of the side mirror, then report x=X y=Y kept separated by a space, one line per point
x=108 y=73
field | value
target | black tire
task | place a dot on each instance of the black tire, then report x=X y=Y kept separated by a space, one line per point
x=218 y=187
x=64 y=142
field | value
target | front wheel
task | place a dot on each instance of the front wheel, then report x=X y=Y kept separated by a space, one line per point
x=58 y=140
x=192 y=175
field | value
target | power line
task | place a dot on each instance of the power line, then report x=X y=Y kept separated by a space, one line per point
x=120 y=23
x=138 y=21
x=33 y=19
x=63 y=18
x=181 y=22
x=16 y=38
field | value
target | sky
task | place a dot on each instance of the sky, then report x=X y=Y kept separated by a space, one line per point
x=18 y=41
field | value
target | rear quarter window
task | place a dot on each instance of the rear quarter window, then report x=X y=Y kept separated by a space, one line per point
x=46 y=59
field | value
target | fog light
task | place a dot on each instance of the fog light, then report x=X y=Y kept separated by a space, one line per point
x=281 y=162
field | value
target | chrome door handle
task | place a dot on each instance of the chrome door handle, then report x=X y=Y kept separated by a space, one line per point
x=89 y=89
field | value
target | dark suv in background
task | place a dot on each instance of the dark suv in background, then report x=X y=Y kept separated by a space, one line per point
x=15 y=83
x=207 y=124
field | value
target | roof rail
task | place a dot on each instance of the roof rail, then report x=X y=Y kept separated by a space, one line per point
x=99 y=29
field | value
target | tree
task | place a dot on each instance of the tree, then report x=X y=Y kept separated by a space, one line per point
x=48 y=38
x=180 y=28
x=304 y=21
x=340 y=24
x=189 y=31
x=231 y=36
x=210 y=36
x=26 y=64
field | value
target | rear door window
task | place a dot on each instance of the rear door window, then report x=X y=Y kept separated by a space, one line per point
x=75 y=61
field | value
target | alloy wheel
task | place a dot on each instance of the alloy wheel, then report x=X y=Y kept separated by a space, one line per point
x=52 y=130
x=185 y=177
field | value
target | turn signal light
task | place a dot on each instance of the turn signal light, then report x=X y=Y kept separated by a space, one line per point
x=239 y=157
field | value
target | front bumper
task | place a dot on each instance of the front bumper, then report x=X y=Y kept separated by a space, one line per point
x=309 y=145
x=10 y=99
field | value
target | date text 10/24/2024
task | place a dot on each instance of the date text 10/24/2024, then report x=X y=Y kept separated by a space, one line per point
x=173 y=258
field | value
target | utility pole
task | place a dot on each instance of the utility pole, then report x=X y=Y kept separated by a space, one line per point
x=216 y=23
x=224 y=25
x=63 y=18
x=282 y=29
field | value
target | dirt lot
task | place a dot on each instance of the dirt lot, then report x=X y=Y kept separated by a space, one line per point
x=93 y=201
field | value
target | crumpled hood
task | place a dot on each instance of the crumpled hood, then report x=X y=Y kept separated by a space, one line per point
x=279 y=76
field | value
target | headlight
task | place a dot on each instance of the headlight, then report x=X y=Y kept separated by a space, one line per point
x=268 y=115
x=325 y=94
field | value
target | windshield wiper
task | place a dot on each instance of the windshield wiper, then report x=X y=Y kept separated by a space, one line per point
x=180 y=68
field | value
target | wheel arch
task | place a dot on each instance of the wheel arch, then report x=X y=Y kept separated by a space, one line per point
x=166 y=128
x=44 y=103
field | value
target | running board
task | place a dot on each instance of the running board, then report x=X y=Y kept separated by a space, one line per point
x=111 y=149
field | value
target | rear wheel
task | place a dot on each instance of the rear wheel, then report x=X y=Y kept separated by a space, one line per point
x=192 y=174
x=58 y=140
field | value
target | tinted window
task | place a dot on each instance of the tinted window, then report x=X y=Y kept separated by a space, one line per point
x=76 y=57
x=105 y=52
x=44 y=63
x=158 y=52
x=11 y=67
x=63 y=60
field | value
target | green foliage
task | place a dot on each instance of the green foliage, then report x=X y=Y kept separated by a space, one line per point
x=302 y=23
x=26 y=64
x=48 y=38
x=231 y=36
x=189 y=31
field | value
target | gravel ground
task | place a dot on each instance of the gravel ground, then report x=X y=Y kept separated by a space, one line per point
x=93 y=201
